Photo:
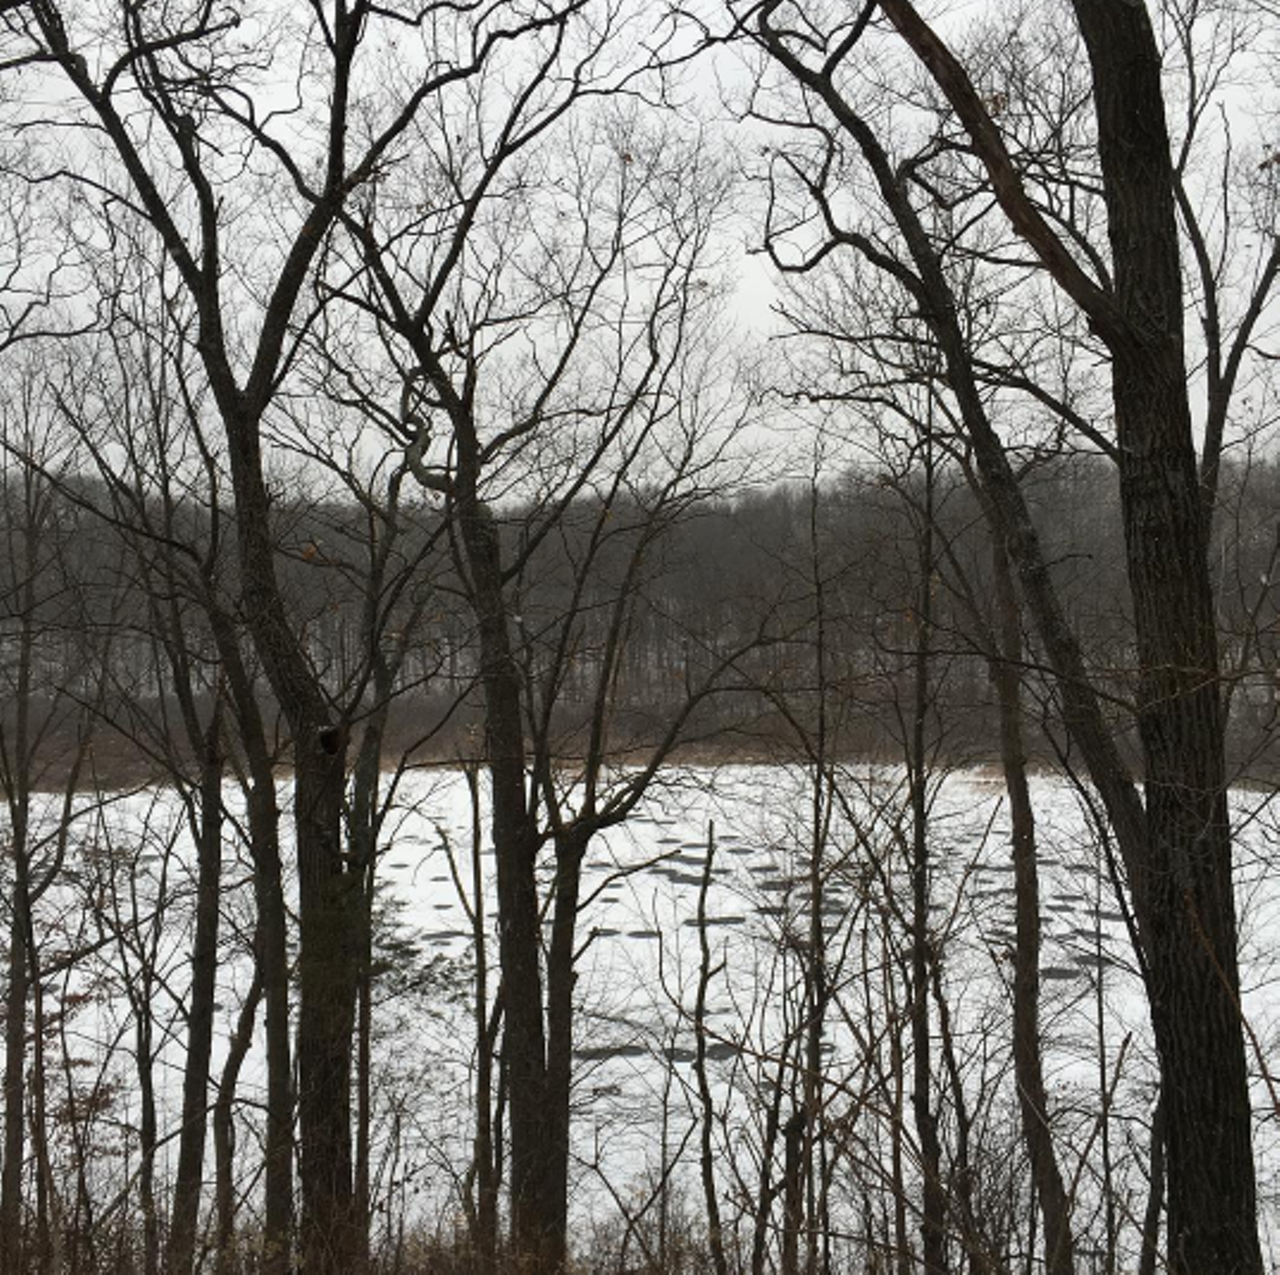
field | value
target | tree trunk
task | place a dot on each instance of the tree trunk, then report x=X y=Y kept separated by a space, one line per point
x=1183 y=888
x=706 y=1157
x=934 y=1195
x=329 y=901
x=273 y=926
x=224 y=1143
x=15 y=1054
x=273 y=951
x=1033 y=1101
x=189 y=1179
x=533 y=1210
x=484 y=1238
x=1177 y=849
x=329 y=895
x=561 y=977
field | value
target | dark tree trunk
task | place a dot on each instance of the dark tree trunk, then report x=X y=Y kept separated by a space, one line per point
x=15 y=1060
x=934 y=1194
x=273 y=931
x=793 y=1139
x=224 y=1141
x=364 y=821
x=561 y=976
x=1033 y=1101
x=16 y=762
x=1177 y=844
x=487 y=1153
x=328 y=959
x=533 y=1211
x=272 y=951
x=1149 y=1262
x=328 y=894
x=189 y=1178
x=1183 y=888
x=706 y=1157
x=147 y=1130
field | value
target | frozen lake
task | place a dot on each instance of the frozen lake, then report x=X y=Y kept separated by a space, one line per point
x=125 y=887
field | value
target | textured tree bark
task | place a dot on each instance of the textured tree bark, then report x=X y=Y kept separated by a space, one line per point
x=1187 y=918
x=327 y=965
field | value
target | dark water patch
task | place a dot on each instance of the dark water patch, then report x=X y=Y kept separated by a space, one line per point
x=1093 y=960
x=603 y=1053
x=1060 y=973
x=720 y=1050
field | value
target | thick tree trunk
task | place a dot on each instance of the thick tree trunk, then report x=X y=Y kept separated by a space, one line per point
x=328 y=957
x=1178 y=850
x=1185 y=903
x=328 y=894
x=1176 y=846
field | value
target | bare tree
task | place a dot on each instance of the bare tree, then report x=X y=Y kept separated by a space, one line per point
x=1174 y=836
x=186 y=111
